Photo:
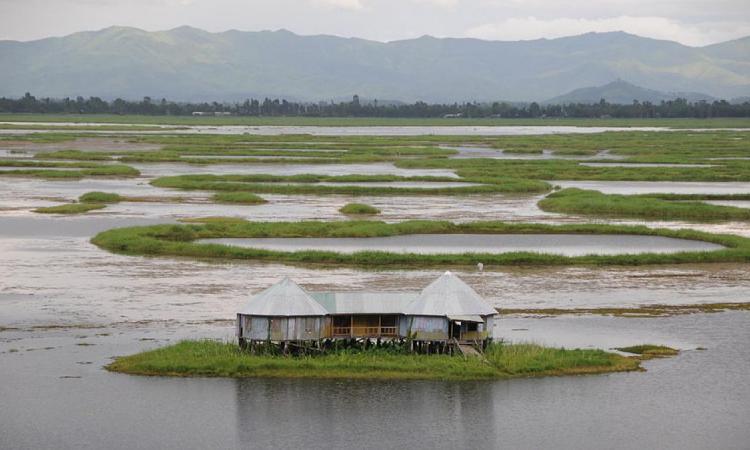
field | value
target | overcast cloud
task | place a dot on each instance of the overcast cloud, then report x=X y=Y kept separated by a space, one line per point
x=691 y=22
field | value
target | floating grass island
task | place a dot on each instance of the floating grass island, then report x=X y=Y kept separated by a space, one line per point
x=207 y=358
x=652 y=206
x=359 y=209
x=70 y=208
x=341 y=184
x=240 y=198
x=66 y=170
x=649 y=351
x=177 y=240
x=100 y=197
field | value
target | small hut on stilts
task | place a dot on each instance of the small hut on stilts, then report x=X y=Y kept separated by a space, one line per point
x=441 y=318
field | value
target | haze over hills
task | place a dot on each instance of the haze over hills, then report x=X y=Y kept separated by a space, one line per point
x=190 y=64
x=622 y=92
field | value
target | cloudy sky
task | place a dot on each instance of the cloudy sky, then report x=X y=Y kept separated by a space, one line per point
x=692 y=22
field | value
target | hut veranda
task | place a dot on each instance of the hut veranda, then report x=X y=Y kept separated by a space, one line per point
x=445 y=314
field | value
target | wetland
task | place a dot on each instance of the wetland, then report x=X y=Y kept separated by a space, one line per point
x=68 y=306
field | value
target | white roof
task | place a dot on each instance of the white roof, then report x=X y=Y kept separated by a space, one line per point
x=449 y=296
x=284 y=298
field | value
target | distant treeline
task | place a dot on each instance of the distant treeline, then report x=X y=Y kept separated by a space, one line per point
x=274 y=107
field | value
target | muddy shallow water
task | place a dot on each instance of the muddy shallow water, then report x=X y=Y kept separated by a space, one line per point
x=559 y=244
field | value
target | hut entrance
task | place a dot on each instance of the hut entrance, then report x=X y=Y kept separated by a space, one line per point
x=342 y=326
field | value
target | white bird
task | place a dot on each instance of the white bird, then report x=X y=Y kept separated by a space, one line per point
x=480 y=267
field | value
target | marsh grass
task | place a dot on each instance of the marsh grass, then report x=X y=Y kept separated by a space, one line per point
x=595 y=203
x=649 y=351
x=177 y=240
x=70 y=208
x=359 y=209
x=306 y=184
x=100 y=197
x=216 y=359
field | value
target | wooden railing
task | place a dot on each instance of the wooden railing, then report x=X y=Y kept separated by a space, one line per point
x=364 y=331
x=473 y=335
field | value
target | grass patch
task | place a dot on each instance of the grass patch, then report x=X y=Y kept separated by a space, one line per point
x=70 y=208
x=177 y=240
x=214 y=359
x=595 y=203
x=100 y=197
x=243 y=198
x=271 y=184
x=649 y=351
x=359 y=209
x=71 y=171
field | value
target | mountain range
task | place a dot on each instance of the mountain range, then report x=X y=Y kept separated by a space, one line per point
x=191 y=64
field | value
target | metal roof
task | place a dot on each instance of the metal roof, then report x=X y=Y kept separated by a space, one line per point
x=446 y=296
x=449 y=296
x=365 y=302
x=284 y=298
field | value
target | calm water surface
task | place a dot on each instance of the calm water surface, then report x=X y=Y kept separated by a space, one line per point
x=563 y=244
x=55 y=395
x=662 y=187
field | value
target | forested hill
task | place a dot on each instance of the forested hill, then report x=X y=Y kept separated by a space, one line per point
x=191 y=64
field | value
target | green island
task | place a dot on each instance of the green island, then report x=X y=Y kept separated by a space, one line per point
x=359 y=209
x=649 y=351
x=271 y=184
x=70 y=208
x=242 y=198
x=66 y=170
x=206 y=358
x=651 y=206
x=177 y=241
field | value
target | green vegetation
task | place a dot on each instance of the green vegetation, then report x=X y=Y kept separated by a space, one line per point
x=557 y=169
x=359 y=209
x=649 y=351
x=65 y=170
x=244 y=198
x=100 y=197
x=595 y=203
x=176 y=240
x=252 y=183
x=70 y=208
x=214 y=359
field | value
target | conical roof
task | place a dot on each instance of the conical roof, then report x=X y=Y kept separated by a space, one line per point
x=284 y=298
x=449 y=296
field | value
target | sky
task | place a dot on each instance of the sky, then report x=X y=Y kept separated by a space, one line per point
x=691 y=22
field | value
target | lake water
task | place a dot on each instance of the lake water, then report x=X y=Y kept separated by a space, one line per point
x=468 y=152
x=562 y=244
x=67 y=307
x=637 y=165
x=169 y=169
x=331 y=130
x=697 y=400
x=662 y=187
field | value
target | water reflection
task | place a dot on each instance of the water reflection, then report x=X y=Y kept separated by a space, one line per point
x=357 y=414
